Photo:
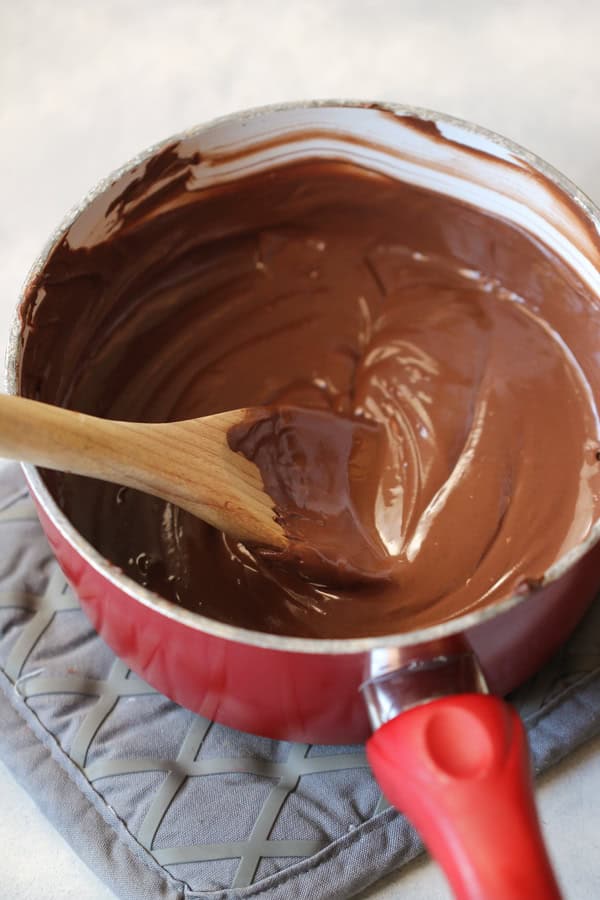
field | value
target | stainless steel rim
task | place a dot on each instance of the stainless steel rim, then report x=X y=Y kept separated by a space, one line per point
x=195 y=620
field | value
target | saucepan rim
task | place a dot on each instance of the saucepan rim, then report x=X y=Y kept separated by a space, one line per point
x=196 y=620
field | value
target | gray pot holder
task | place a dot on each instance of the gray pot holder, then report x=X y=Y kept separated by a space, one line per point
x=161 y=803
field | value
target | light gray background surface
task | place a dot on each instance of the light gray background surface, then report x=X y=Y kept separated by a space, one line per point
x=84 y=86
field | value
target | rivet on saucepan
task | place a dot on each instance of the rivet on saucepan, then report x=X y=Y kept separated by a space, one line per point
x=142 y=562
x=121 y=494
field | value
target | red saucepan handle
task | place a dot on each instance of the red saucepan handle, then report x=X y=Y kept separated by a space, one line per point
x=459 y=769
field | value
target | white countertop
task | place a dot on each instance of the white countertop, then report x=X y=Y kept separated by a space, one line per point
x=85 y=86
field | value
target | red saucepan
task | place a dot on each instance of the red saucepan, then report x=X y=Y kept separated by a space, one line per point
x=447 y=753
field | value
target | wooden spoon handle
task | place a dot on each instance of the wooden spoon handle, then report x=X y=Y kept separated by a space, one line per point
x=57 y=438
x=187 y=463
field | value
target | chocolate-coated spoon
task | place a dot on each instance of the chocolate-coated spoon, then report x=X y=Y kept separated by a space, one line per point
x=187 y=463
x=298 y=482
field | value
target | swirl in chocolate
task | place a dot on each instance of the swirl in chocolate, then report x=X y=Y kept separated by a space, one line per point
x=323 y=287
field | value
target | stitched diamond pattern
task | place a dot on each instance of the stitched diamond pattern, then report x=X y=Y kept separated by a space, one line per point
x=206 y=801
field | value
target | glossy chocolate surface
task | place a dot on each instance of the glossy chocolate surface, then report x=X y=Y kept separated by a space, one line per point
x=324 y=287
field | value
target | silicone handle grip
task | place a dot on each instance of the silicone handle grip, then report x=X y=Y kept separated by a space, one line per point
x=458 y=768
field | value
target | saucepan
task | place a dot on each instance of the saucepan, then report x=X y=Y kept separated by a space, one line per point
x=445 y=748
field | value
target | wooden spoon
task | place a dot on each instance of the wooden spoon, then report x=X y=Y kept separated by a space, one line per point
x=186 y=463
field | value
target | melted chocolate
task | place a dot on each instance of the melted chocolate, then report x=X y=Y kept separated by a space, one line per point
x=322 y=471
x=325 y=287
